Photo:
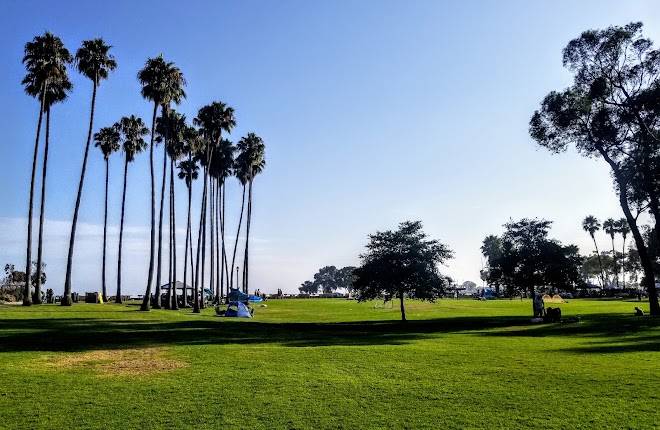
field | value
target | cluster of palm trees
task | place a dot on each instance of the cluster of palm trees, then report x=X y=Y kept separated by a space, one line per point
x=611 y=227
x=186 y=147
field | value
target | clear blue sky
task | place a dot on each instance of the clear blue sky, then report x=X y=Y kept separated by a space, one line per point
x=373 y=112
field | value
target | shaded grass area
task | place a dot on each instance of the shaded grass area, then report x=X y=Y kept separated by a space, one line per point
x=336 y=364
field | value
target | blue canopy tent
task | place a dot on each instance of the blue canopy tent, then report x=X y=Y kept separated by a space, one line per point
x=255 y=299
x=238 y=310
x=236 y=295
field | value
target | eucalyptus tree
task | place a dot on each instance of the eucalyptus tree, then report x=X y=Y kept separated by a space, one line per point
x=611 y=227
x=611 y=111
x=45 y=59
x=212 y=119
x=132 y=131
x=591 y=225
x=94 y=61
x=624 y=230
x=162 y=83
x=252 y=155
x=107 y=140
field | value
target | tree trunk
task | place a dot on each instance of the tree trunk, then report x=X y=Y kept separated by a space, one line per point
x=403 y=307
x=623 y=263
x=185 y=250
x=159 y=261
x=600 y=263
x=175 y=302
x=27 y=290
x=146 y=302
x=202 y=303
x=218 y=264
x=644 y=257
x=74 y=223
x=614 y=264
x=40 y=247
x=121 y=234
x=238 y=232
x=202 y=215
x=246 y=287
x=168 y=300
x=105 y=231
x=211 y=220
x=224 y=249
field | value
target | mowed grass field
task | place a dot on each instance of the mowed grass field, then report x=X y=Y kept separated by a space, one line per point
x=325 y=363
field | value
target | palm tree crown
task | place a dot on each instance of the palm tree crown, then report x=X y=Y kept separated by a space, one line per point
x=215 y=118
x=610 y=227
x=45 y=59
x=162 y=82
x=591 y=225
x=188 y=171
x=623 y=228
x=133 y=131
x=251 y=160
x=94 y=60
x=107 y=140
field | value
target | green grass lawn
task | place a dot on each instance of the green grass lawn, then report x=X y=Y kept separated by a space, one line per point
x=330 y=364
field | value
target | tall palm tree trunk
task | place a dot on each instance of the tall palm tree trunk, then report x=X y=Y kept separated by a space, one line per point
x=168 y=299
x=159 y=261
x=224 y=249
x=202 y=303
x=175 y=302
x=105 y=231
x=185 y=250
x=146 y=302
x=238 y=232
x=40 y=243
x=600 y=263
x=196 y=305
x=27 y=291
x=614 y=263
x=247 y=240
x=218 y=263
x=212 y=261
x=157 y=304
x=121 y=234
x=66 y=299
x=623 y=263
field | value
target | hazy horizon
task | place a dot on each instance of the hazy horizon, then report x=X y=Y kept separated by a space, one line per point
x=372 y=113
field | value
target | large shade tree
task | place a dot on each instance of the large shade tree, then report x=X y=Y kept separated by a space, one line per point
x=611 y=111
x=529 y=260
x=94 y=61
x=45 y=59
x=402 y=263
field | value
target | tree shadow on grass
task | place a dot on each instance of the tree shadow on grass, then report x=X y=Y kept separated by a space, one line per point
x=611 y=333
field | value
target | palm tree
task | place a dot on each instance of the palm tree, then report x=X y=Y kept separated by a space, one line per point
x=591 y=225
x=252 y=155
x=94 y=61
x=611 y=227
x=241 y=173
x=45 y=61
x=107 y=140
x=132 y=131
x=624 y=229
x=220 y=169
x=158 y=79
x=188 y=171
x=176 y=132
x=212 y=119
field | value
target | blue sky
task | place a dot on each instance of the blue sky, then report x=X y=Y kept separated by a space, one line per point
x=373 y=112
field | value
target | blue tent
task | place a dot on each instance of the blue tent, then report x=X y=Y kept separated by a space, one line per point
x=235 y=295
x=255 y=299
x=238 y=310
